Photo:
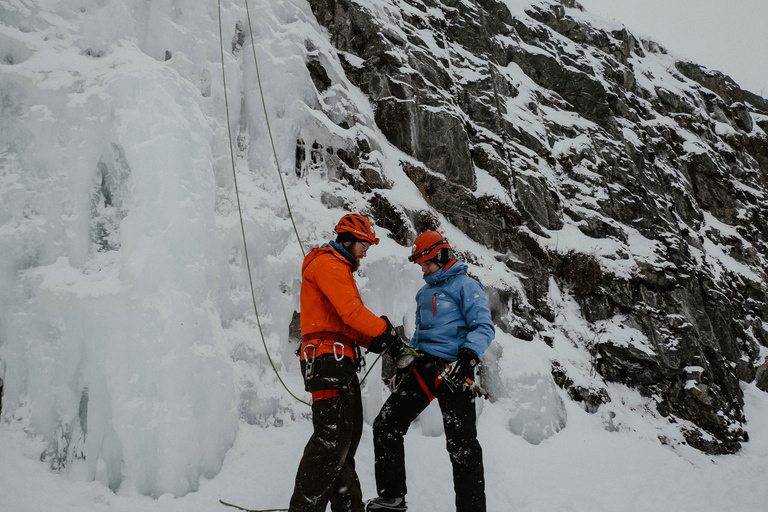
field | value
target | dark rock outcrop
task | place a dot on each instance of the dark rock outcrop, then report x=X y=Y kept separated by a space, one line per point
x=575 y=129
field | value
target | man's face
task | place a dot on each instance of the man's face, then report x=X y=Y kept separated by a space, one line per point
x=429 y=267
x=359 y=250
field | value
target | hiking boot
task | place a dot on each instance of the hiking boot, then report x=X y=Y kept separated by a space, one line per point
x=395 y=504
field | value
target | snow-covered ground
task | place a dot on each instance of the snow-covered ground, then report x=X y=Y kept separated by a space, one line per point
x=584 y=468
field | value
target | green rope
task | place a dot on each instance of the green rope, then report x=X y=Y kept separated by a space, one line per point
x=371 y=368
x=282 y=184
x=253 y=509
x=407 y=352
x=240 y=213
x=269 y=129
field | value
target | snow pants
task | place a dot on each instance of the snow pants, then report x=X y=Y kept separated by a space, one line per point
x=414 y=393
x=327 y=468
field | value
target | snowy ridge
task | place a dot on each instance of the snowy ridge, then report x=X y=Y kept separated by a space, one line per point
x=129 y=351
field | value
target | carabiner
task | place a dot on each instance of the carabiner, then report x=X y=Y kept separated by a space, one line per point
x=359 y=359
x=310 y=363
x=338 y=357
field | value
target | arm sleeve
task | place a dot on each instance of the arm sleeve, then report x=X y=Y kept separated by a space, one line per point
x=337 y=284
x=474 y=307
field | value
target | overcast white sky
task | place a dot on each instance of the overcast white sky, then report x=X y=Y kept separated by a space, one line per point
x=727 y=35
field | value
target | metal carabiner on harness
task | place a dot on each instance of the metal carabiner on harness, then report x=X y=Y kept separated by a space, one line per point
x=310 y=363
x=359 y=359
x=445 y=373
x=338 y=356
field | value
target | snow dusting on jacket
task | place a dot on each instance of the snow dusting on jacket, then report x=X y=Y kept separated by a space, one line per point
x=452 y=312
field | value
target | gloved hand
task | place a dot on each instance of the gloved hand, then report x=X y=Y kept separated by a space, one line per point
x=397 y=348
x=387 y=339
x=464 y=367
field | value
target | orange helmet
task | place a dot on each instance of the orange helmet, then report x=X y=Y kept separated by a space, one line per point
x=430 y=245
x=358 y=226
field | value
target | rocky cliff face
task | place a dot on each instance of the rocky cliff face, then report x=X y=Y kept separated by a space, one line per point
x=595 y=165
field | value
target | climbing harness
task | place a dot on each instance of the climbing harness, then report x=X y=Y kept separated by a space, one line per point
x=319 y=343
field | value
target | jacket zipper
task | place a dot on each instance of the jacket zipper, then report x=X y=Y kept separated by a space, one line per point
x=434 y=305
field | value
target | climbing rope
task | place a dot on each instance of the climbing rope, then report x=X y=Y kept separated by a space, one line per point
x=372 y=365
x=282 y=184
x=240 y=213
x=269 y=129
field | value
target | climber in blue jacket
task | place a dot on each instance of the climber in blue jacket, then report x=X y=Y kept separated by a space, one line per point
x=453 y=330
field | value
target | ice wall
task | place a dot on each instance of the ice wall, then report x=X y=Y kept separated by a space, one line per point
x=107 y=234
x=127 y=329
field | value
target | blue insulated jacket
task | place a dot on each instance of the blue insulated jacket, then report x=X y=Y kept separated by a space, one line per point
x=452 y=312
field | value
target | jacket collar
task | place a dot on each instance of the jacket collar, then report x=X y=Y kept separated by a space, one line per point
x=452 y=268
x=342 y=251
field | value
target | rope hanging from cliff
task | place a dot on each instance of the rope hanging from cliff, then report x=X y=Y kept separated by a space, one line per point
x=269 y=129
x=282 y=184
x=274 y=151
x=240 y=212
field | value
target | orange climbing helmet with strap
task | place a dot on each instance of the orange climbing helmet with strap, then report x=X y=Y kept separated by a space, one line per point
x=430 y=245
x=358 y=226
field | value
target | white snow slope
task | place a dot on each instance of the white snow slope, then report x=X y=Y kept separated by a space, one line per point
x=134 y=373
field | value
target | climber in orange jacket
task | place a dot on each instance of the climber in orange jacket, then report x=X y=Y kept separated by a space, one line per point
x=335 y=325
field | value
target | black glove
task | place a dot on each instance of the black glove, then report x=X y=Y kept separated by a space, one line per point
x=464 y=367
x=387 y=339
x=397 y=348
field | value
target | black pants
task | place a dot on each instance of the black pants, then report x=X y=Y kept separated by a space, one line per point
x=397 y=413
x=327 y=468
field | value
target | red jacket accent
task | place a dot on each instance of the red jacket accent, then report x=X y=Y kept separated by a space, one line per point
x=330 y=300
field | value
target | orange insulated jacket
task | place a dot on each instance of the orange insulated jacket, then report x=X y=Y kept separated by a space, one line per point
x=330 y=300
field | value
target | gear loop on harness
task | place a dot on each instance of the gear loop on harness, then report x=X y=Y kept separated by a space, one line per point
x=331 y=343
